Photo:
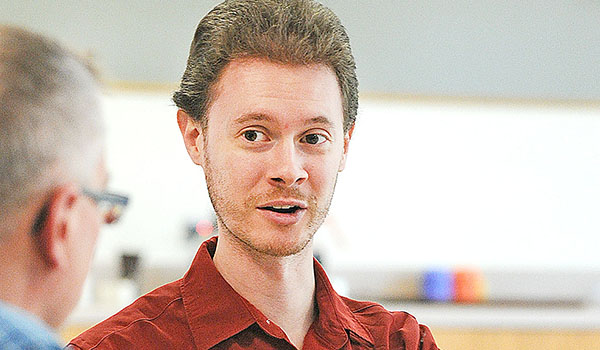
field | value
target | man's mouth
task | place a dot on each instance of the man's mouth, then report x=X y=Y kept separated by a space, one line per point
x=283 y=212
x=283 y=209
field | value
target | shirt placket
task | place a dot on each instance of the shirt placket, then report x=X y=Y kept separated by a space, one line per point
x=273 y=330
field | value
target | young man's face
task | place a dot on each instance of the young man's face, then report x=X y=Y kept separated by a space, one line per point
x=271 y=152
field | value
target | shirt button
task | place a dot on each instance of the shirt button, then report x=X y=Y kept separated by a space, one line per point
x=268 y=321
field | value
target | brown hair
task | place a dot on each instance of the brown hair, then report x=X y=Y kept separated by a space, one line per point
x=297 y=32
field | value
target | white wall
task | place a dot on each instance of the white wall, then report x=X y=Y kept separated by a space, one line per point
x=473 y=184
x=148 y=161
x=425 y=184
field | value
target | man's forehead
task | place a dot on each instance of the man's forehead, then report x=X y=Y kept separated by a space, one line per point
x=259 y=90
x=248 y=65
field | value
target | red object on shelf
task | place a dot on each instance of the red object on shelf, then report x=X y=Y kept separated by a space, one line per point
x=469 y=286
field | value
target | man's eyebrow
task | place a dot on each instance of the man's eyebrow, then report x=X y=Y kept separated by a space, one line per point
x=319 y=120
x=254 y=117
x=257 y=117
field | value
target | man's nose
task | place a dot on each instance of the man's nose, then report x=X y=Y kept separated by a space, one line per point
x=287 y=166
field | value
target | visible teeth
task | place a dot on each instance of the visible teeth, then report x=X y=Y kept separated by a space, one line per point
x=282 y=207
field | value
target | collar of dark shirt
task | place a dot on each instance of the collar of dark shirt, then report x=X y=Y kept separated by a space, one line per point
x=217 y=312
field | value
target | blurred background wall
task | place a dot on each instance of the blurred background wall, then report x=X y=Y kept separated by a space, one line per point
x=476 y=149
x=542 y=49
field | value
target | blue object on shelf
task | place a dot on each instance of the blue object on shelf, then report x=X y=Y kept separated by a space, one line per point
x=438 y=285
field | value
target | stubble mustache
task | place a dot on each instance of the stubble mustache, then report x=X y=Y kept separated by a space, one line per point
x=253 y=201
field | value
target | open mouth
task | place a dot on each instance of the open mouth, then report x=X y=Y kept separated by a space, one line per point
x=284 y=209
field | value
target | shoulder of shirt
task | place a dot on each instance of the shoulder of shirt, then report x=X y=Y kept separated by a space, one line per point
x=148 y=307
x=368 y=312
x=398 y=324
x=21 y=330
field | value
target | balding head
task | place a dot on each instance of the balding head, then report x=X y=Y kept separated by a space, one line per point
x=50 y=123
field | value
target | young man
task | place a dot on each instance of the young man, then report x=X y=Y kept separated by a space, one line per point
x=51 y=180
x=266 y=107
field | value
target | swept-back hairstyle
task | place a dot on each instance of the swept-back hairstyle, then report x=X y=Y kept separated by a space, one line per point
x=296 y=32
x=50 y=121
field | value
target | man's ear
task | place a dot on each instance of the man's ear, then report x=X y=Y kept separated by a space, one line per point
x=193 y=137
x=54 y=240
x=347 y=138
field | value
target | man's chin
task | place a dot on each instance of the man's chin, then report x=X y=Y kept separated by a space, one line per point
x=280 y=249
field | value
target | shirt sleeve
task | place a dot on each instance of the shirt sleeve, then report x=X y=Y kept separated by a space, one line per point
x=406 y=333
x=426 y=342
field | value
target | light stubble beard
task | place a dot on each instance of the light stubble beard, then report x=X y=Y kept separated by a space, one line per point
x=231 y=218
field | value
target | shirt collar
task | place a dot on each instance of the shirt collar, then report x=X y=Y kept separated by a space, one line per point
x=212 y=304
x=21 y=326
x=336 y=320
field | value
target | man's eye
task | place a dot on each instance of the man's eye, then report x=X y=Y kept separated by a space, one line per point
x=253 y=135
x=314 y=139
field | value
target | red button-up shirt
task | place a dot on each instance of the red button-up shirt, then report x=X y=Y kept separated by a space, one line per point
x=202 y=311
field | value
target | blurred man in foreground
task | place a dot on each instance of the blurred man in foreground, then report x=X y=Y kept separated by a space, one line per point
x=52 y=178
x=266 y=107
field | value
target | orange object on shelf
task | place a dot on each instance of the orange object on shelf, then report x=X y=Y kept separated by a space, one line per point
x=469 y=286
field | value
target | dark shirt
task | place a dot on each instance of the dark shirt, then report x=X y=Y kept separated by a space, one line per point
x=202 y=311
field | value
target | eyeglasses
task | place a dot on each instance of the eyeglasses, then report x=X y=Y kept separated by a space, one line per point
x=111 y=205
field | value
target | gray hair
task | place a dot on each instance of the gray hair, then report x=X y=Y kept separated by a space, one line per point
x=295 y=32
x=51 y=129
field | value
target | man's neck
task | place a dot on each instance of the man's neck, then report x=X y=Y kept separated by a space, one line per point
x=20 y=275
x=282 y=288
